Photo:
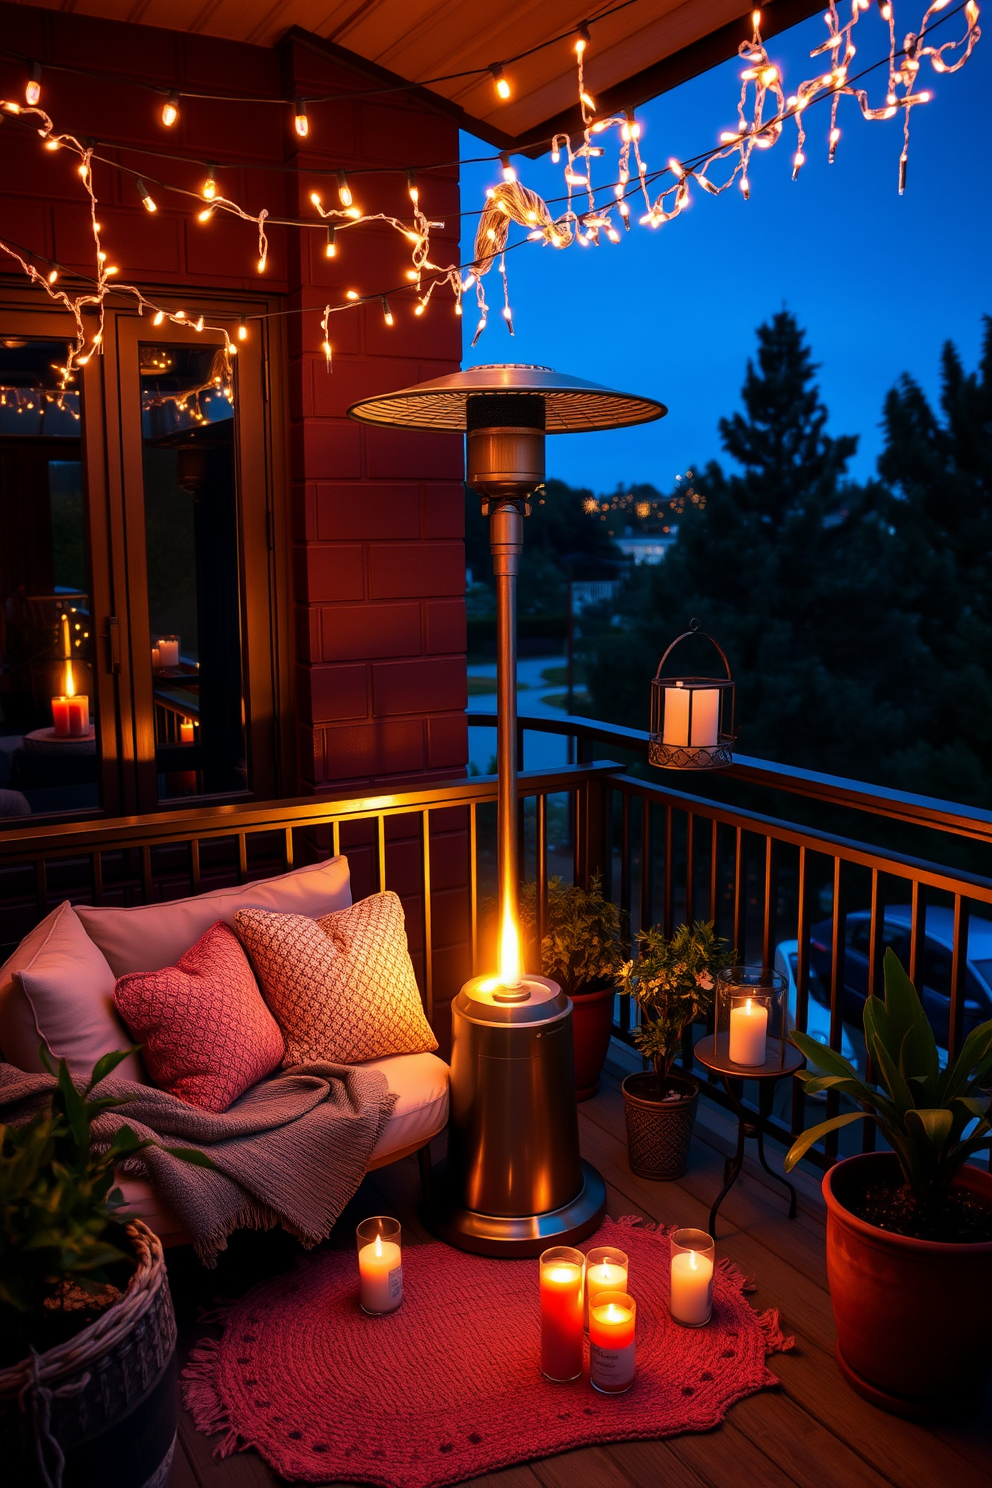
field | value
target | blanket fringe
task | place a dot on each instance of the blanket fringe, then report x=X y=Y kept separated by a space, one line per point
x=776 y=1342
x=203 y=1400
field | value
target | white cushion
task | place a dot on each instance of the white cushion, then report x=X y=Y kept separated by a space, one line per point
x=151 y=936
x=421 y=1112
x=58 y=990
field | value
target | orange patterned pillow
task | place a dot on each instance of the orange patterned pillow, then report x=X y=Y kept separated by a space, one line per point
x=342 y=987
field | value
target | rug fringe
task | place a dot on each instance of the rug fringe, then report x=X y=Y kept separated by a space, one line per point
x=203 y=1400
x=776 y=1342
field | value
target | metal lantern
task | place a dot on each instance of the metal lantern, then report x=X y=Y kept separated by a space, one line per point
x=515 y=1182
x=751 y=1026
x=692 y=718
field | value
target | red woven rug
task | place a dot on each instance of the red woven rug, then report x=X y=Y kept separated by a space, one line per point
x=448 y=1387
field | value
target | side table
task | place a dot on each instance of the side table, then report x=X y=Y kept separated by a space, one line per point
x=779 y=1062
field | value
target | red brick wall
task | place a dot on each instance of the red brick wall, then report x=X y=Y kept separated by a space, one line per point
x=377 y=515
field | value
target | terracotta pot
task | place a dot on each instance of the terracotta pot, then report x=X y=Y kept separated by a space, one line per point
x=913 y=1317
x=592 y=1026
x=658 y=1132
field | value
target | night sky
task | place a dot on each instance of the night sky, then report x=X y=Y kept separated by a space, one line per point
x=879 y=281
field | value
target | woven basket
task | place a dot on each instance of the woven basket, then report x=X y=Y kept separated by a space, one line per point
x=659 y=1133
x=106 y=1396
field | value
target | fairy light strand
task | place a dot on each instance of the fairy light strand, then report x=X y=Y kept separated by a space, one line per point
x=510 y=201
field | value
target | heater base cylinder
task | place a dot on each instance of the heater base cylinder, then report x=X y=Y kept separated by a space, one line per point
x=519 y=1235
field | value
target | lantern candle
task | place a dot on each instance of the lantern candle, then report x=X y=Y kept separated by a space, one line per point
x=380 y=1267
x=606 y=1271
x=691 y=1300
x=748 y=1027
x=186 y=731
x=611 y=1342
x=561 y=1313
x=705 y=716
x=71 y=711
x=168 y=652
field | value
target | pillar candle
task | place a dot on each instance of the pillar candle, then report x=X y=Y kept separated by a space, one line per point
x=79 y=714
x=561 y=1320
x=611 y=1342
x=60 y=715
x=168 y=651
x=748 y=1027
x=604 y=1276
x=692 y=1287
x=705 y=716
x=186 y=730
x=156 y=658
x=380 y=1271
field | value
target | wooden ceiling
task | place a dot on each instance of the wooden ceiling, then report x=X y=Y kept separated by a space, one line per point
x=642 y=50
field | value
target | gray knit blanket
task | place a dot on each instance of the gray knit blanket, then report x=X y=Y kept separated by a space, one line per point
x=291 y=1151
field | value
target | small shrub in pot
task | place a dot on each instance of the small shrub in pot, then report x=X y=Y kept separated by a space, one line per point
x=909 y=1231
x=672 y=980
x=586 y=939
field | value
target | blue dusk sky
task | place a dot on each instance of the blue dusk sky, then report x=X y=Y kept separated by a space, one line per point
x=879 y=281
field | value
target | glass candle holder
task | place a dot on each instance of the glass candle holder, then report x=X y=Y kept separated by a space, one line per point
x=693 y=1259
x=751 y=1024
x=562 y=1272
x=380 y=1265
x=612 y=1322
x=606 y=1271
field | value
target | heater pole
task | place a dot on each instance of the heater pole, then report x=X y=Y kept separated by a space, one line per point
x=506 y=535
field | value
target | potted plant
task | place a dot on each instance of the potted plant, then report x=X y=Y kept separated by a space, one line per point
x=583 y=948
x=909 y=1231
x=672 y=981
x=87 y=1333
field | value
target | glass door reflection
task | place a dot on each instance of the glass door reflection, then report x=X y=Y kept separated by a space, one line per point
x=189 y=468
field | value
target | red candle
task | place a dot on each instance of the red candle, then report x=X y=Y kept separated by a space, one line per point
x=60 y=715
x=561 y=1313
x=611 y=1342
x=79 y=714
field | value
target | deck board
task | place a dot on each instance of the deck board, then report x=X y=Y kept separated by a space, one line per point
x=812 y=1432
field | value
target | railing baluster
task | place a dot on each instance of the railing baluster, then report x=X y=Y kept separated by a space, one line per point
x=287 y=851
x=242 y=857
x=647 y=869
x=690 y=866
x=668 y=903
x=801 y=1015
x=336 y=839
x=625 y=853
x=194 y=865
x=959 y=964
x=715 y=873
x=381 y=851
x=838 y=945
x=41 y=887
x=542 y=867
x=146 y=872
x=740 y=893
x=770 y=910
x=428 y=926
x=96 y=860
x=917 y=933
x=577 y=845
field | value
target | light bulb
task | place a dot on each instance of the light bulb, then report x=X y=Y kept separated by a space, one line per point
x=387 y=314
x=146 y=196
x=582 y=40
x=210 y=185
x=351 y=294
x=53 y=275
x=262 y=261
x=316 y=199
x=300 y=121
x=158 y=318
x=418 y=309
x=243 y=329
x=509 y=174
x=502 y=86
x=170 y=110
x=330 y=247
x=327 y=350
x=411 y=186
x=344 y=190
x=32 y=88
x=205 y=215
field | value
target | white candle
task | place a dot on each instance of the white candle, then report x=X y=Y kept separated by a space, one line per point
x=748 y=1026
x=380 y=1272
x=156 y=658
x=692 y=1282
x=605 y=1276
x=168 y=652
x=705 y=716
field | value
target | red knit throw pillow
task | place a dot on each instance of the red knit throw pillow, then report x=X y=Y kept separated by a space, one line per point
x=207 y=1035
x=342 y=987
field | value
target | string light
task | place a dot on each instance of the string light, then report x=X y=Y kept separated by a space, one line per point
x=387 y=314
x=500 y=82
x=147 y=200
x=242 y=328
x=330 y=247
x=301 y=122
x=32 y=88
x=589 y=221
x=170 y=110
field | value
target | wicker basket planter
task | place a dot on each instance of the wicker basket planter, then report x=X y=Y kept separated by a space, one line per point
x=101 y=1408
x=659 y=1132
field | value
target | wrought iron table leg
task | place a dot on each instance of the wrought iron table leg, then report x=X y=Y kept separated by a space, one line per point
x=732 y=1165
x=764 y=1108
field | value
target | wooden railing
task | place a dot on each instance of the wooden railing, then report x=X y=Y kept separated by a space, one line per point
x=665 y=853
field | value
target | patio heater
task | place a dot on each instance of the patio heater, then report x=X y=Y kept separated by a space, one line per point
x=514 y=1182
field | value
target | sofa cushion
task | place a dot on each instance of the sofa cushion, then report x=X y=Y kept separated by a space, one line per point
x=207 y=1035
x=58 y=990
x=151 y=936
x=341 y=987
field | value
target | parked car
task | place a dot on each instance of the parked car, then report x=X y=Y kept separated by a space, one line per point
x=936 y=975
x=817 y=1006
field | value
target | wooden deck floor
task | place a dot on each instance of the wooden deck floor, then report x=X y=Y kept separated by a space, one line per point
x=812 y=1432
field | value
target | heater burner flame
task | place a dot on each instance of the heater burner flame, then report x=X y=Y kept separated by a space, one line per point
x=509 y=986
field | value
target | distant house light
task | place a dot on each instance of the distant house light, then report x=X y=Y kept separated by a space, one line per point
x=644 y=549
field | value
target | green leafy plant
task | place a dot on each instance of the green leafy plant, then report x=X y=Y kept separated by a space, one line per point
x=58 y=1200
x=672 y=981
x=585 y=934
x=933 y=1119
